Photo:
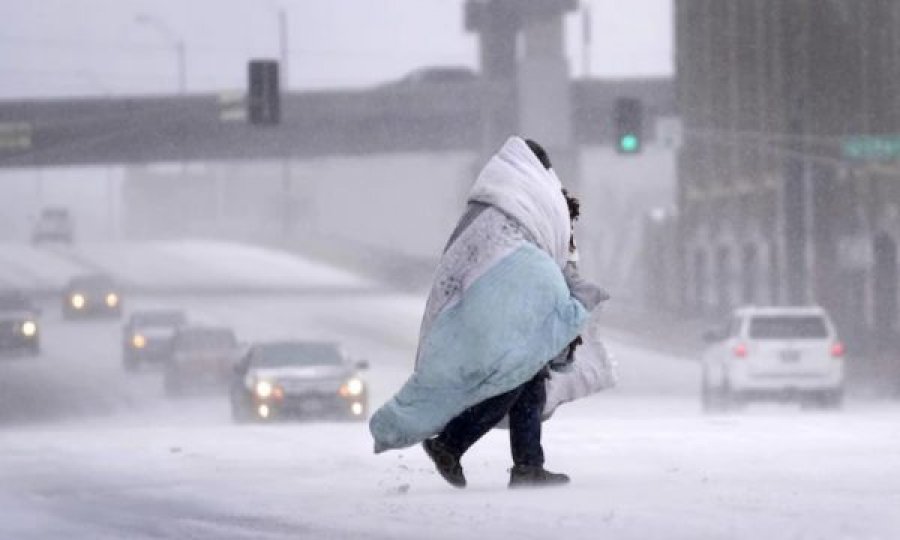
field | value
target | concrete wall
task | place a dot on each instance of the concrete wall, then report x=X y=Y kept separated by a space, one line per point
x=404 y=203
x=92 y=195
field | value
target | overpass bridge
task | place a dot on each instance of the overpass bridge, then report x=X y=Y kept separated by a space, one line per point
x=392 y=118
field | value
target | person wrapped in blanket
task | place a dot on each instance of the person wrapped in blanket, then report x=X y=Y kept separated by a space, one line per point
x=580 y=287
x=507 y=305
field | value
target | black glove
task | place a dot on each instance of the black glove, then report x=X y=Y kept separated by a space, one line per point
x=563 y=361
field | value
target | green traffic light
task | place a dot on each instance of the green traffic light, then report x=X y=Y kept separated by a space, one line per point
x=628 y=143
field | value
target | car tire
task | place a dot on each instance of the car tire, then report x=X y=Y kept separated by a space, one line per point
x=825 y=400
x=712 y=398
x=733 y=400
x=130 y=364
x=834 y=400
x=707 y=397
x=721 y=399
x=358 y=417
x=171 y=386
x=239 y=413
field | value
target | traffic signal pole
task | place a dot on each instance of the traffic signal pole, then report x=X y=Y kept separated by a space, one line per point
x=795 y=224
x=286 y=168
x=283 y=48
x=809 y=164
x=628 y=121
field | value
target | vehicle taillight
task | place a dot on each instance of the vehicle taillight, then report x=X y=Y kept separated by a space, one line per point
x=740 y=350
x=837 y=349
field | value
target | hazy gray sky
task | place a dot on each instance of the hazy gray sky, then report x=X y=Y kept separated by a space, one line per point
x=76 y=47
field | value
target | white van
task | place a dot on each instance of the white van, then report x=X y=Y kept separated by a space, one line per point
x=781 y=353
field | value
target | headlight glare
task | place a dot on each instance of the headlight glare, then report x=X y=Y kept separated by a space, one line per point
x=353 y=387
x=138 y=341
x=29 y=328
x=77 y=300
x=112 y=300
x=264 y=389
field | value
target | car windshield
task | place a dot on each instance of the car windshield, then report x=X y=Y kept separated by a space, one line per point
x=441 y=75
x=298 y=354
x=158 y=318
x=13 y=301
x=93 y=283
x=207 y=339
x=55 y=214
x=788 y=327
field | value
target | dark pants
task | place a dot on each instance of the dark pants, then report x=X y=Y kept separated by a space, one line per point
x=524 y=406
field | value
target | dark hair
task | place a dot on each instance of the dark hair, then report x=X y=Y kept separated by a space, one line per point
x=574 y=205
x=539 y=152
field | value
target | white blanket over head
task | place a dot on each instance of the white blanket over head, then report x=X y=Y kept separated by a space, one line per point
x=516 y=182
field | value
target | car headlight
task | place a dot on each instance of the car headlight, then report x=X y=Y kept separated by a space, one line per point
x=29 y=328
x=112 y=300
x=77 y=300
x=138 y=341
x=264 y=389
x=353 y=387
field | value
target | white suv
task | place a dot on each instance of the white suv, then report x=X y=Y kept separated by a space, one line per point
x=773 y=353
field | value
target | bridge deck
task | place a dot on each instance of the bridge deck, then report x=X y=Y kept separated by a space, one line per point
x=387 y=119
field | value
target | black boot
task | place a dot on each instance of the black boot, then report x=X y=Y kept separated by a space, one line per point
x=535 y=476
x=446 y=461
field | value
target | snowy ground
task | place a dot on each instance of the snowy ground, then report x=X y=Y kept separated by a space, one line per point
x=87 y=451
x=184 y=265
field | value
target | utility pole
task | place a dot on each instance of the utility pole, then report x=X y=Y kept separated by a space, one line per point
x=797 y=193
x=586 y=38
x=177 y=41
x=287 y=183
x=284 y=48
x=111 y=195
x=182 y=67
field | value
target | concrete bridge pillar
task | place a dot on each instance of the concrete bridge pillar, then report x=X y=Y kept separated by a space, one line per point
x=526 y=92
x=544 y=93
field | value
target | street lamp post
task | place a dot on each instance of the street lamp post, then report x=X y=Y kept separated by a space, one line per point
x=283 y=47
x=182 y=67
x=283 y=43
x=287 y=182
x=177 y=42
x=586 y=38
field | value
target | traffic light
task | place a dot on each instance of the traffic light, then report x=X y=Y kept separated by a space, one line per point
x=629 y=120
x=264 y=96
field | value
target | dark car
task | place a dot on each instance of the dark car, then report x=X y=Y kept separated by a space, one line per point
x=297 y=379
x=432 y=83
x=436 y=76
x=148 y=335
x=202 y=358
x=19 y=328
x=92 y=295
x=53 y=225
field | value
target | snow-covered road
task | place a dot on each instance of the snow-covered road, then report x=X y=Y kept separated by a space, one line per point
x=87 y=451
x=173 y=266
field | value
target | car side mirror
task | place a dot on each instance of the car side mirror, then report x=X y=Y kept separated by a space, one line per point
x=712 y=336
x=362 y=365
